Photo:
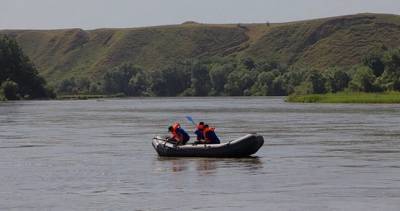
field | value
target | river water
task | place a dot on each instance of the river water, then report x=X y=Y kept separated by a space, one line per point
x=97 y=155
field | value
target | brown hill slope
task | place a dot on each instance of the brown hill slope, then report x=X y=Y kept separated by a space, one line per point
x=318 y=43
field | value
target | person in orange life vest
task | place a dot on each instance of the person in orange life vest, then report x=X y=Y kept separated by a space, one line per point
x=209 y=135
x=199 y=133
x=179 y=135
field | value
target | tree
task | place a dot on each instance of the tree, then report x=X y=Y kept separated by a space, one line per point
x=219 y=75
x=340 y=81
x=67 y=86
x=83 y=85
x=138 y=84
x=317 y=81
x=200 y=79
x=10 y=90
x=118 y=80
x=278 y=86
x=293 y=78
x=170 y=81
x=239 y=82
x=375 y=62
x=248 y=63
x=263 y=84
x=337 y=80
x=391 y=60
x=363 y=80
x=390 y=79
x=16 y=67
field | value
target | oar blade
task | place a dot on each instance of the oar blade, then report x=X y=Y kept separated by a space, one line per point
x=190 y=119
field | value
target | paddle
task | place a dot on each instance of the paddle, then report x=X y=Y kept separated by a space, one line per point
x=191 y=120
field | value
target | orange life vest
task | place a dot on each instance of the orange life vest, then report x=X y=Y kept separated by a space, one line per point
x=205 y=131
x=175 y=135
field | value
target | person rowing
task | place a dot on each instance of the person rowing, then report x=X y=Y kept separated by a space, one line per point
x=209 y=135
x=206 y=135
x=199 y=133
x=179 y=135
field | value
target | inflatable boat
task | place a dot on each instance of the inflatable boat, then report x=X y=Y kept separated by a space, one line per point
x=241 y=147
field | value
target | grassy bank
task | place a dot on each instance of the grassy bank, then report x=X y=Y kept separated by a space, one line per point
x=87 y=96
x=347 y=97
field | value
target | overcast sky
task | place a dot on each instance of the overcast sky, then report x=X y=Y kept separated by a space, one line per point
x=90 y=14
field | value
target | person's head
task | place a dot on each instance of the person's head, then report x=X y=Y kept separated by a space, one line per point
x=200 y=126
x=170 y=128
x=205 y=126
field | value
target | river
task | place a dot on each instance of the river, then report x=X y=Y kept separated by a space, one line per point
x=97 y=155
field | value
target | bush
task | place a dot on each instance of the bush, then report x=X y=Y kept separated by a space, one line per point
x=363 y=80
x=10 y=90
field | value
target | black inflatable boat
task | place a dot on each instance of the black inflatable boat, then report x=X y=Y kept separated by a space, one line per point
x=241 y=147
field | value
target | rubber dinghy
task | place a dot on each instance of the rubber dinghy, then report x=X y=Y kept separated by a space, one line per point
x=241 y=147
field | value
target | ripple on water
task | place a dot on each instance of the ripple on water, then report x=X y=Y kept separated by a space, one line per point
x=70 y=155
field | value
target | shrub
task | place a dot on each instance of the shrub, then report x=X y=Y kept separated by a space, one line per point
x=10 y=90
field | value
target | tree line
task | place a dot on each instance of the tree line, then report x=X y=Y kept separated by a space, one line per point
x=19 y=79
x=210 y=77
x=216 y=76
x=379 y=71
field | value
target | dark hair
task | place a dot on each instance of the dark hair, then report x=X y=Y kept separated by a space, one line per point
x=205 y=126
x=170 y=129
x=201 y=123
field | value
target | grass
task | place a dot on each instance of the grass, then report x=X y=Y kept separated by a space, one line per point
x=347 y=97
x=87 y=96
x=321 y=43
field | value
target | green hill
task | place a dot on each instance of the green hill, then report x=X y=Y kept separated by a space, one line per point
x=63 y=53
x=340 y=41
x=321 y=43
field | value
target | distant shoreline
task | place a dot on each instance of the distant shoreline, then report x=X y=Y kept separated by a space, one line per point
x=347 y=97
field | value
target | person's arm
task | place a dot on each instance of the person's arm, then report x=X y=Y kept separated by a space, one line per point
x=198 y=135
x=206 y=140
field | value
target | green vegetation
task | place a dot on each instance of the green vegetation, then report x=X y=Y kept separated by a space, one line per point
x=19 y=79
x=347 y=97
x=2 y=98
x=320 y=44
x=349 y=53
x=380 y=72
x=87 y=96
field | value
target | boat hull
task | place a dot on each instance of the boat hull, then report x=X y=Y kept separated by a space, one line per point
x=242 y=147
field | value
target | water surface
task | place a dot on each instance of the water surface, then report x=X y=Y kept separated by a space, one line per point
x=97 y=154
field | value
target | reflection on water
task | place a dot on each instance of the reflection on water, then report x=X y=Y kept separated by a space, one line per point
x=97 y=155
x=209 y=166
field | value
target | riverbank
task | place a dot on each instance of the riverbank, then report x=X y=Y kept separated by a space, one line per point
x=87 y=97
x=346 y=97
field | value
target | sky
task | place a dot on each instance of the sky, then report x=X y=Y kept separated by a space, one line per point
x=91 y=14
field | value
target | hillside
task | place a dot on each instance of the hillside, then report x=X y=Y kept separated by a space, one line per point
x=64 y=53
x=320 y=43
